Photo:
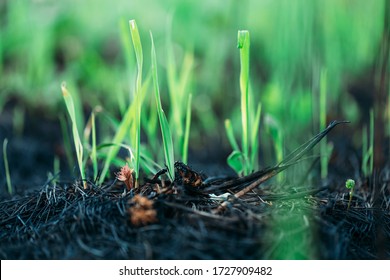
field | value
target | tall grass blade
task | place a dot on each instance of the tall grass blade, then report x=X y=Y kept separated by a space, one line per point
x=243 y=45
x=187 y=130
x=6 y=166
x=139 y=57
x=128 y=53
x=76 y=138
x=93 y=148
x=164 y=125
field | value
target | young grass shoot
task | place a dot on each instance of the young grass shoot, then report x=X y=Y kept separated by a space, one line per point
x=139 y=57
x=350 y=184
x=76 y=137
x=243 y=160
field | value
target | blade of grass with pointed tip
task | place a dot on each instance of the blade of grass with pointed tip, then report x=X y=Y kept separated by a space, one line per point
x=187 y=130
x=164 y=125
x=139 y=57
x=76 y=138
x=129 y=58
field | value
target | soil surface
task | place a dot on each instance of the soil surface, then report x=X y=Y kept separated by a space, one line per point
x=195 y=217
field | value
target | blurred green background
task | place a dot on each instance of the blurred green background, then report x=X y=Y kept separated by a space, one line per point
x=87 y=43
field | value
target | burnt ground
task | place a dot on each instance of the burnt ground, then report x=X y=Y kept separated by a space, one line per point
x=298 y=218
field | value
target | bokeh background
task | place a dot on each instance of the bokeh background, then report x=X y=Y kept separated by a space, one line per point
x=295 y=46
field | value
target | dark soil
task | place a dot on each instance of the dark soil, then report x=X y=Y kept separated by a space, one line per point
x=300 y=218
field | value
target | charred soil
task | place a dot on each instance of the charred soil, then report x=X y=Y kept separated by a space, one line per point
x=197 y=216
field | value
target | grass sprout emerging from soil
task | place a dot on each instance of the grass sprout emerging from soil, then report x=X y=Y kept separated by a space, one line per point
x=76 y=137
x=243 y=159
x=139 y=57
x=350 y=185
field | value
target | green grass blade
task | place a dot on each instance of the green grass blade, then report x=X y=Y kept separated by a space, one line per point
x=168 y=145
x=128 y=53
x=187 y=130
x=243 y=45
x=6 y=166
x=126 y=43
x=93 y=148
x=76 y=138
x=164 y=125
x=139 y=57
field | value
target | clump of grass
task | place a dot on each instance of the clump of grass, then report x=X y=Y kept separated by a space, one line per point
x=164 y=125
x=243 y=159
x=131 y=120
x=76 y=137
x=6 y=166
x=126 y=126
x=187 y=130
